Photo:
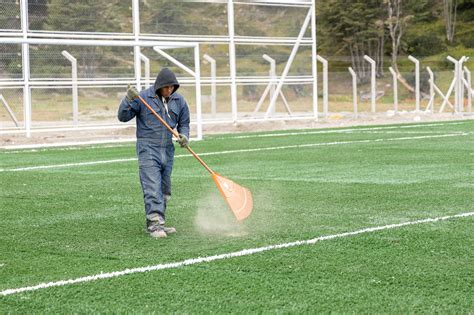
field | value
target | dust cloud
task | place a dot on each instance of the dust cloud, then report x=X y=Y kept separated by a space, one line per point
x=214 y=217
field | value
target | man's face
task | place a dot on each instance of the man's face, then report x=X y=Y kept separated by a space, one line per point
x=167 y=90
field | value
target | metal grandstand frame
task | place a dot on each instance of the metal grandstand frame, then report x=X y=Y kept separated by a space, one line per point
x=137 y=40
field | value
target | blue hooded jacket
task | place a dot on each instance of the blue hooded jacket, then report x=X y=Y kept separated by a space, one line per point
x=149 y=129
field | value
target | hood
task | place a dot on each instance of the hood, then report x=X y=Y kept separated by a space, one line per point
x=166 y=77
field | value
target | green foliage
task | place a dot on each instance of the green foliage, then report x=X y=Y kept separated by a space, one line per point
x=425 y=44
x=466 y=10
x=467 y=40
x=345 y=23
x=342 y=25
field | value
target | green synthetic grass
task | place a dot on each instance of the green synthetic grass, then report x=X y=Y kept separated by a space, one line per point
x=68 y=222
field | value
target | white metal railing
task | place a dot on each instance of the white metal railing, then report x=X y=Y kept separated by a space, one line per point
x=138 y=40
x=461 y=84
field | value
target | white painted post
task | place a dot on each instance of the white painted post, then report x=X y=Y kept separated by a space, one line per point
x=431 y=104
x=461 y=83
x=289 y=63
x=325 y=85
x=212 y=62
x=136 y=48
x=273 y=77
x=197 y=70
x=232 y=59
x=456 y=82
x=314 y=60
x=75 y=94
x=469 y=89
x=146 y=61
x=417 y=81
x=354 y=90
x=373 y=80
x=395 y=89
x=25 y=60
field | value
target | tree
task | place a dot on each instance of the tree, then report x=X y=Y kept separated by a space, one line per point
x=355 y=28
x=397 y=22
x=85 y=16
x=450 y=16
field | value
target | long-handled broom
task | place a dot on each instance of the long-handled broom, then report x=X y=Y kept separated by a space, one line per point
x=238 y=198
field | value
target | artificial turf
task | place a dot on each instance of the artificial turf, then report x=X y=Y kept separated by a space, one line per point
x=71 y=221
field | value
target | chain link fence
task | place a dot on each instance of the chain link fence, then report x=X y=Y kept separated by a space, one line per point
x=103 y=72
x=10 y=15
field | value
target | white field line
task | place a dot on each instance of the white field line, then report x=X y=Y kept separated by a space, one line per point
x=349 y=130
x=244 y=252
x=79 y=145
x=296 y=146
x=405 y=132
x=34 y=147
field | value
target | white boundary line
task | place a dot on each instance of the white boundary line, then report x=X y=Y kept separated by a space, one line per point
x=244 y=252
x=32 y=147
x=349 y=130
x=296 y=146
x=69 y=145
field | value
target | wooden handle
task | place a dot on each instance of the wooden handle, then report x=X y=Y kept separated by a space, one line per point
x=175 y=133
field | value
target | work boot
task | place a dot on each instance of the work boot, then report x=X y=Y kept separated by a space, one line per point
x=169 y=230
x=155 y=229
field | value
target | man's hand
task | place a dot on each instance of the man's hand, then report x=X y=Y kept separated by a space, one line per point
x=183 y=140
x=132 y=93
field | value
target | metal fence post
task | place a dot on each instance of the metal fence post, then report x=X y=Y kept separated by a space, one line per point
x=197 y=70
x=232 y=60
x=431 y=103
x=354 y=90
x=25 y=60
x=470 y=91
x=456 y=82
x=395 y=89
x=417 y=81
x=461 y=83
x=136 y=48
x=373 y=81
x=146 y=61
x=325 y=85
x=273 y=78
x=314 y=60
x=212 y=62
x=75 y=102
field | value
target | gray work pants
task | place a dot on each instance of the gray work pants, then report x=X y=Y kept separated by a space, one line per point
x=156 y=164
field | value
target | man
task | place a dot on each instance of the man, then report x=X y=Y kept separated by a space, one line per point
x=155 y=148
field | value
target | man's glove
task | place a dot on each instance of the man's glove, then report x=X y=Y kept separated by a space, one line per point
x=183 y=140
x=132 y=93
